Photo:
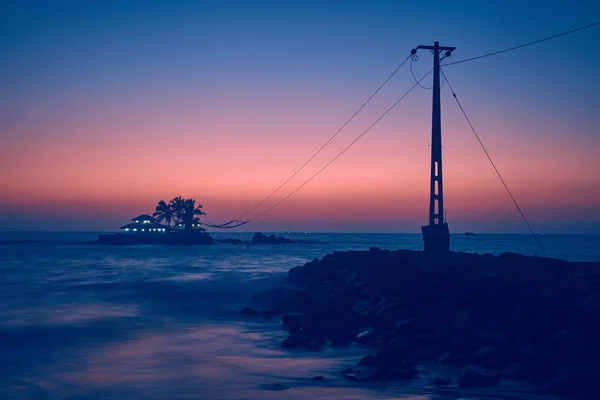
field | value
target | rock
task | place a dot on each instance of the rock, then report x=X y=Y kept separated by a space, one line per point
x=523 y=318
x=390 y=355
x=249 y=311
x=313 y=347
x=401 y=371
x=439 y=381
x=318 y=378
x=350 y=377
x=270 y=313
x=260 y=238
x=347 y=371
x=294 y=341
x=476 y=378
x=367 y=361
x=365 y=336
x=493 y=357
x=340 y=343
x=294 y=323
x=350 y=277
x=277 y=386
x=292 y=320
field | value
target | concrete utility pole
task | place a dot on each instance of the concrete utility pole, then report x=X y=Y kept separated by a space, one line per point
x=436 y=236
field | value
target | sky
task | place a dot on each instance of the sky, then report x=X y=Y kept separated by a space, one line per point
x=108 y=107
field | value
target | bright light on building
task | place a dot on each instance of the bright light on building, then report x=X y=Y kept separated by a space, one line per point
x=134 y=229
x=126 y=229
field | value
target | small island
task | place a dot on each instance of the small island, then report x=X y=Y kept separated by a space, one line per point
x=175 y=222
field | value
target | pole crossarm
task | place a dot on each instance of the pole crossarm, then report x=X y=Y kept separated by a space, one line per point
x=440 y=48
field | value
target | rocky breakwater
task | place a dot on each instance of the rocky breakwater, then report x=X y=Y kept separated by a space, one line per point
x=486 y=318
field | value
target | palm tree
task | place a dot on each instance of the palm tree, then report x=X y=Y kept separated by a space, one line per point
x=164 y=212
x=178 y=206
x=190 y=212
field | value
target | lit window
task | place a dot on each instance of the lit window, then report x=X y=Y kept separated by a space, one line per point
x=126 y=229
x=134 y=229
x=142 y=230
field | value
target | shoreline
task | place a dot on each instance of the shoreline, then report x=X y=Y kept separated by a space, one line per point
x=488 y=319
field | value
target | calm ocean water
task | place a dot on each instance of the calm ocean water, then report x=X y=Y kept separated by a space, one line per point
x=81 y=321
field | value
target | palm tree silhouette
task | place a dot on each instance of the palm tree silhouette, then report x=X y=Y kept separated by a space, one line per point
x=190 y=212
x=178 y=206
x=164 y=212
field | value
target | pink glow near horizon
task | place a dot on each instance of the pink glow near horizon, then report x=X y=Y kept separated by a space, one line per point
x=132 y=164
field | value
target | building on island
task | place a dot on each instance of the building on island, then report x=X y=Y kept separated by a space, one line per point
x=146 y=230
x=144 y=224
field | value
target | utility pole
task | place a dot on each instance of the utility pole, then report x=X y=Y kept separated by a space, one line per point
x=436 y=236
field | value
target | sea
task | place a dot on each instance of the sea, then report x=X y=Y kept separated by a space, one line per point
x=85 y=321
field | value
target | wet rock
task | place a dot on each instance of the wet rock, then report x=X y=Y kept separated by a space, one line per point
x=400 y=371
x=318 y=378
x=340 y=343
x=367 y=361
x=270 y=313
x=292 y=319
x=390 y=355
x=493 y=357
x=294 y=341
x=524 y=318
x=249 y=312
x=277 y=386
x=347 y=371
x=476 y=378
x=439 y=381
x=294 y=323
x=313 y=347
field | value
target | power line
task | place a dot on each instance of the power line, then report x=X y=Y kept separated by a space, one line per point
x=322 y=147
x=342 y=152
x=493 y=165
x=415 y=58
x=522 y=45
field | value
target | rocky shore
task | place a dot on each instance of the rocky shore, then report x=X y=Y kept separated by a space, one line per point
x=487 y=319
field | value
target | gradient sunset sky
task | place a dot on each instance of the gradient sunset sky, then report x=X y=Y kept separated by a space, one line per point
x=107 y=107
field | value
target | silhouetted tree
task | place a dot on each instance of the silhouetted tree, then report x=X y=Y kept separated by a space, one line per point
x=190 y=213
x=164 y=212
x=178 y=206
